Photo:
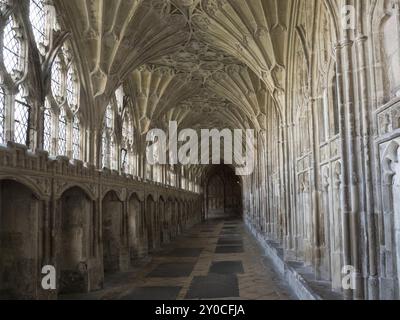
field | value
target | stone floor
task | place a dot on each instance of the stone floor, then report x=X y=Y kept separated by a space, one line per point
x=215 y=260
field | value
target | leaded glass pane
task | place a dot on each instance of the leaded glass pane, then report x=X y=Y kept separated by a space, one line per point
x=124 y=160
x=11 y=48
x=21 y=117
x=72 y=92
x=38 y=18
x=112 y=153
x=109 y=119
x=2 y=117
x=47 y=130
x=56 y=79
x=76 y=138
x=62 y=133
x=105 y=149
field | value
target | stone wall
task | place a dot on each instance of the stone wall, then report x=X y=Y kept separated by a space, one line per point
x=86 y=223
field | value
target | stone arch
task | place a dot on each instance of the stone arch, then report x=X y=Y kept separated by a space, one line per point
x=385 y=41
x=77 y=244
x=150 y=214
x=223 y=193
x=114 y=249
x=121 y=194
x=215 y=196
x=35 y=187
x=137 y=236
x=67 y=186
x=20 y=253
x=162 y=220
x=391 y=208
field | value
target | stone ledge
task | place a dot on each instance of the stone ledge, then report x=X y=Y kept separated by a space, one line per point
x=302 y=287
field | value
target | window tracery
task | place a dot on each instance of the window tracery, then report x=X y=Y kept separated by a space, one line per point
x=47 y=129
x=108 y=139
x=39 y=18
x=12 y=48
x=2 y=116
x=62 y=133
x=76 y=136
x=22 y=114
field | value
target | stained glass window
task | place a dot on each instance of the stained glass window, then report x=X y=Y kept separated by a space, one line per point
x=2 y=117
x=62 y=133
x=38 y=18
x=22 y=112
x=47 y=130
x=11 y=47
x=56 y=79
x=76 y=138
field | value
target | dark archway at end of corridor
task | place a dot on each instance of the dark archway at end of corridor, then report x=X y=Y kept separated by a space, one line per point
x=223 y=193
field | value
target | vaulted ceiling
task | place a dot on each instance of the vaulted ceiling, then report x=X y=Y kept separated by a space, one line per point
x=203 y=63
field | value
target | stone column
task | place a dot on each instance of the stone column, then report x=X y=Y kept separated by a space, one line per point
x=351 y=202
x=367 y=142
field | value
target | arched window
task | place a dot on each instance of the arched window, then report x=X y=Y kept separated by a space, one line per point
x=56 y=79
x=14 y=63
x=2 y=117
x=109 y=120
x=108 y=139
x=22 y=114
x=126 y=145
x=76 y=139
x=72 y=88
x=47 y=130
x=39 y=18
x=62 y=132
x=12 y=48
x=104 y=149
x=124 y=161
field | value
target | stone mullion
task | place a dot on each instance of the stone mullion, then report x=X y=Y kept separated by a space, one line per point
x=94 y=147
x=10 y=116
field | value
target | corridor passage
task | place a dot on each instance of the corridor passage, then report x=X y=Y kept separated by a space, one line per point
x=214 y=260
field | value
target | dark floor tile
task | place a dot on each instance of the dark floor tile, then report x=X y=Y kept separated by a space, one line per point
x=227 y=267
x=153 y=293
x=214 y=286
x=230 y=232
x=230 y=242
x=229 y=249
x=172 y=270
x=230 y=235
x=185 y=252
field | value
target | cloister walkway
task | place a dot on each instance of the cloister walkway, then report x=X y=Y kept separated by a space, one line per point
x=218 y=259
